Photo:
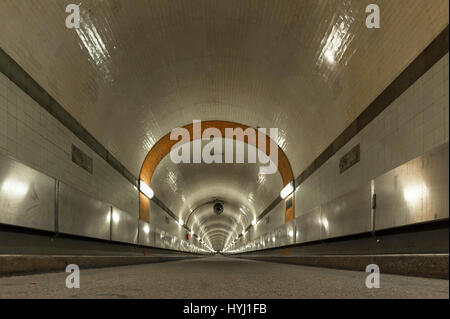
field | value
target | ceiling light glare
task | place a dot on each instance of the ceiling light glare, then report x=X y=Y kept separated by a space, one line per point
x=180 y=222
x=329 y=56
x=287 y=190
x=254 y=222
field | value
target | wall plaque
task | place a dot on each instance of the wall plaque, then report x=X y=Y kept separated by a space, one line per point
x=82 y=159
x=349 y=159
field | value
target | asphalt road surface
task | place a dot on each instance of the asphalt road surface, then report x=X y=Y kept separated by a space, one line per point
x=220 y=277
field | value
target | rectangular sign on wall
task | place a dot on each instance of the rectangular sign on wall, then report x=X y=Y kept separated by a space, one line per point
x=82 y=159
x=349 y=159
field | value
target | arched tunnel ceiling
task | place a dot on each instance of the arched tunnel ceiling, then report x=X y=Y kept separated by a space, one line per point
x=134 y=71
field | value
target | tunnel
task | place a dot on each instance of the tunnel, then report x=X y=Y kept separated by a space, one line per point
x=224 y=149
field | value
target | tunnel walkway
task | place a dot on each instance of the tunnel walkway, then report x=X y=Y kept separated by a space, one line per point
x=220 y=277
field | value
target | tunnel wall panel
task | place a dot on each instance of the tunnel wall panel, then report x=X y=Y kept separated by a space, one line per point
x=31 y=199
x=80 y=214
x=166 y=233
x=286 y=234
x=32 y=136
x=415 y=123
x=27 y=197
x=272 y=220
x=414 y=192
x=124 y=226
x=159 y=217
x=307 y=226
x=145 y=234
x=348 y=214
x=160 y=240
x=306 y=196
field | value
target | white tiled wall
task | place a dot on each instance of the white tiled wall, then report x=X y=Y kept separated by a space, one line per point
x=158 y=220
x=413 y=124
x=158 y=217
x=32 y=136
x=272 y=220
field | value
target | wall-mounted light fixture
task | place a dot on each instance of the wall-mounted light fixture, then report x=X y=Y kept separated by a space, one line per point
x=145 y=189
x=287 y=190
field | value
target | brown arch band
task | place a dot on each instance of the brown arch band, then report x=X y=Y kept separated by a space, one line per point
x=165 y=144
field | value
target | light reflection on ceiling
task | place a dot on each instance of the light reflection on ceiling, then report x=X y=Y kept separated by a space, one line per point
x=338 y=40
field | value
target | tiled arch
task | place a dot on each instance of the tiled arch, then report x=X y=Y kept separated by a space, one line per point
x=165 y=144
